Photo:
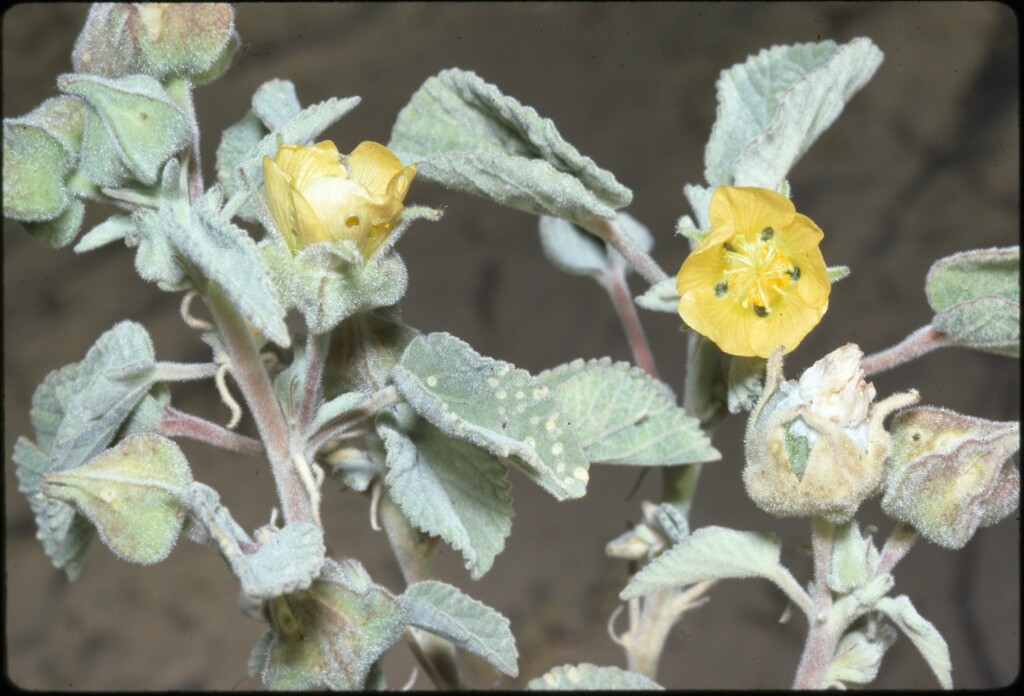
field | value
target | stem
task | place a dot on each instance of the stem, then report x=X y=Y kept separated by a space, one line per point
x=414 y=552
x=823 y=634
x=338 y=426
x=184 y=372
x=251 y=376
x=796 y=593
x=316 y=353
x=180 y=424
x=924 y=340
x=896 y=548
x=614 y=282
x=624 y=244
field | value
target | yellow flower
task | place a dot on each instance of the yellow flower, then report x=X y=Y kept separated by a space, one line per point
x=757 y=280
x=316 y=194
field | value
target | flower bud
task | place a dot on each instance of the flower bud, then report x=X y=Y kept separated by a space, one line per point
x=817 y=447
x=317 y=195
x=950 y=474
x=162 y=40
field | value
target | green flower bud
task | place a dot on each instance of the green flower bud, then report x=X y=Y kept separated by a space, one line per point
x=141 y=123
x=330 y=635
x=162 y=40
x=950 y=474
x=817 y=447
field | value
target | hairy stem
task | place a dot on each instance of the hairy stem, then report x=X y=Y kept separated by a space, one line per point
x=180 y=424
x=897 y=546
x=184 y=372
x=924 y=340
x=316 y=354
x=414 y=552
x=614 y=282
x=344 y=422
x=251 y=376
x=639 y=259
x=823 y=634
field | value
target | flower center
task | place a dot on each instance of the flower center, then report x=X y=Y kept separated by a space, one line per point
x=757 y=272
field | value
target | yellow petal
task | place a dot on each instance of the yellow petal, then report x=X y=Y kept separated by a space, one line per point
x=309 y=227
x=347 y=210
x=750 y=209
x=279 y=186
x=787 y=325
x=304 y=163
x=374 y=166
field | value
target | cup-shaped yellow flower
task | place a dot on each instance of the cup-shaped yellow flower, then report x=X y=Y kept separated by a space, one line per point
x=316 y=194
x=757 y=280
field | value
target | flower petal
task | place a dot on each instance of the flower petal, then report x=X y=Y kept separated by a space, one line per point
x=374 y=166
x=310 y=229
x=750 y=209
x=279 y=186
x=788 y=323
x=304 y=163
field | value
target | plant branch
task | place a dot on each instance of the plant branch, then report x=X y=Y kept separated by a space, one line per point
x=342 y=423
x=896 y=547
x=251 y=376
x=414 y=552
x=316 y=354
x=639 y=259
x=185 y=372
x=180 y=424
x=924 y=340
x=823 y=634
x=614 y=282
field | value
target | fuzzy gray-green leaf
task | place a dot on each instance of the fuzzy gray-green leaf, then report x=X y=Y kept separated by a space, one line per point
x=660 y=297
x=275 y=103
x=623 y=416
x=923 y=634
x=772 y=107
x=709 y=553
x=448 y=488
x=465 y=134
x=229 y=257
x=132 y=494
x=976 y=299
x=496 y=407
x=588 y=677
x=471 y=625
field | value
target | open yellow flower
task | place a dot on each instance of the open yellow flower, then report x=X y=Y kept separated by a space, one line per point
x=757 y=280
x=316 y=194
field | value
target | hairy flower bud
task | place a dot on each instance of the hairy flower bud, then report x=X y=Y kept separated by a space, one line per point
x=817 y=447
x=316 y=195
x=950 y=474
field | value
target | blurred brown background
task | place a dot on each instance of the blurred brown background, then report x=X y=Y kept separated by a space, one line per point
x=924 y=163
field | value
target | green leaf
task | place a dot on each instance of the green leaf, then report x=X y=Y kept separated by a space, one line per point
x=445 y=611
x=364 y=349
x=493 y=405
x=284 y=560
x=229 y=257
x=623 y=416
x=156 y=259
x=661 y=297
x=132 y=494
x=837 y=273
x=775 y=105
x=746 y=382
x=976 y=299
x=101 y=155
x=465 y=134
x=858 y=656
x=235 y=144
x=448 y=488
x=925 y=637
x=147 y=126
x=327 y=285
x=854 y=558
x=588 y=677
x=275 y=103
x=64 y=534
x=709 y=553
x=578 y=252
x=330 y=635
x=114 y=228
x=699 y=198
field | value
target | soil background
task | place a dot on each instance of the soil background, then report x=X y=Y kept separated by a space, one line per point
x=923 y=163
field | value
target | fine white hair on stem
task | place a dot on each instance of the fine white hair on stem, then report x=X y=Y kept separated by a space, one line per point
x=309 y=480
x=225 y=396
x=186 y=315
